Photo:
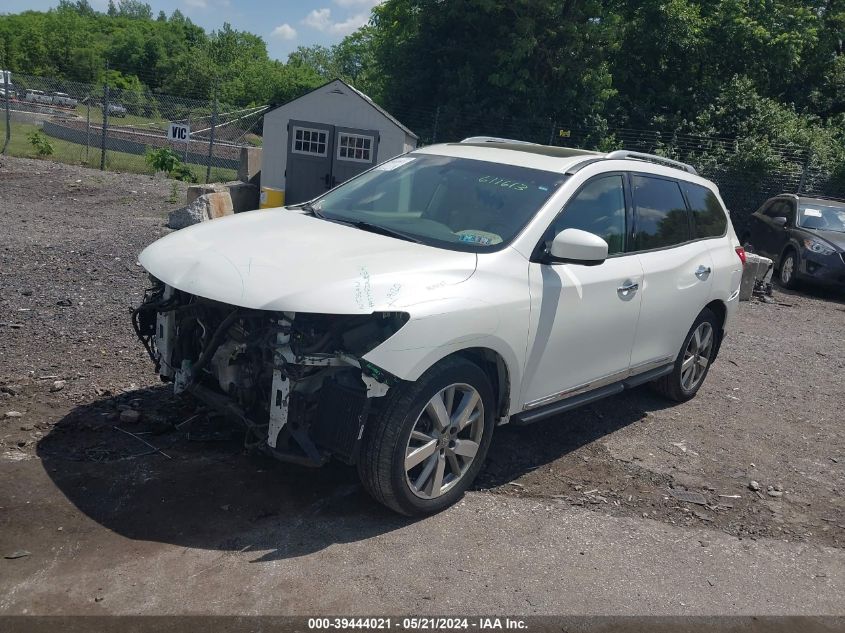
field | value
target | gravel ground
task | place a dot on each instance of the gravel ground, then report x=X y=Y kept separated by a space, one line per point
x=770 y=411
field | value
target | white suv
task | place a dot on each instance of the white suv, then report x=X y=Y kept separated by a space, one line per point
x=396 y=320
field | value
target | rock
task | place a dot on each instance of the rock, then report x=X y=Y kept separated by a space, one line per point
x=753 y=485
x=21 y=553
x=775 y=493
x=705 y=543
x=13 y=414
x=208 y=206
x=12 y=390
x=130 y=416
x=27 y=293
x=58 y=385
x=27 y=427
x=65 y=303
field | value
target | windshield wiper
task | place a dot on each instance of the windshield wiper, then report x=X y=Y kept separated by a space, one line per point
x=382 y=230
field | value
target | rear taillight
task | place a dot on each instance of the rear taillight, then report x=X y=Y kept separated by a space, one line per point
x=740 y=252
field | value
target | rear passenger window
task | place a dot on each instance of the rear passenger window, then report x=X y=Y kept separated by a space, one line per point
x=708 y=217
x=660 y=212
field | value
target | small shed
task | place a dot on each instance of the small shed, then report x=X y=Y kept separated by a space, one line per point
x=325 y=137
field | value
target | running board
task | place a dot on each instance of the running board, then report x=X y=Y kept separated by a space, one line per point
x=562 y=406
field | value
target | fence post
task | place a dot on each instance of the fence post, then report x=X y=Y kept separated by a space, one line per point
x=211 y=139
x=804 y=169
x=188 y=140
x=436 y=121
x=8 y=116
x=105 y=126
x=552 y=133
x=87 y=127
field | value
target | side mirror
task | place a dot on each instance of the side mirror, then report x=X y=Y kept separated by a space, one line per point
x=574 y=246
x=780 y=221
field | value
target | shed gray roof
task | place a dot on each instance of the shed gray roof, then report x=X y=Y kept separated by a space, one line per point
x=367 y=99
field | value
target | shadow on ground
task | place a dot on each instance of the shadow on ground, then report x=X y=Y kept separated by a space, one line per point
x=208 y=493
x=823 y=293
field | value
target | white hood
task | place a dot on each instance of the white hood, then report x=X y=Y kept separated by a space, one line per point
x=284 y=260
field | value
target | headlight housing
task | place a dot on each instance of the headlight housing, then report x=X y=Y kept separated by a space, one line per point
x=816 y=246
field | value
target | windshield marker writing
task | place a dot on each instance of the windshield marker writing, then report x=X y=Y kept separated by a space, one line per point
x=501 y=182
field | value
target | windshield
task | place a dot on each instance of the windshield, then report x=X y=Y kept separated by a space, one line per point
x=444 y=201
x=822 y=217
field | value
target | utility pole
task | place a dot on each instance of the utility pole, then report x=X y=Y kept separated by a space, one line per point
x=211 y=138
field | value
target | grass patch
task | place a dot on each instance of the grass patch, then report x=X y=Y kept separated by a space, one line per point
x=74 y=154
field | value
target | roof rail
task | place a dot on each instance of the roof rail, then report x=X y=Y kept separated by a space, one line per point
x=494 y=139
x=654 y=158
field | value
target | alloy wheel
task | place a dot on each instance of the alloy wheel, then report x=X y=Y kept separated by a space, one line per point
x=444 y=440
x=697 y=356
x=787 y=268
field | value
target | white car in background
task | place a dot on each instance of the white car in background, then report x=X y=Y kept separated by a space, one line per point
x=396 y=320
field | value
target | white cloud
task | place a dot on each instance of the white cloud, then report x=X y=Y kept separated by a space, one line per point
x=197 y=4
x=321 y=20
x=284 y=32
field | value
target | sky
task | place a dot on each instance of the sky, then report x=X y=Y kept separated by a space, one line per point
x=284 y=24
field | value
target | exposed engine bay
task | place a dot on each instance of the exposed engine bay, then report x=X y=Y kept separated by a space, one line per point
x=297 y=381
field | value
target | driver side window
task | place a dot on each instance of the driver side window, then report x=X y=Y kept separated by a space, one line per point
x=599 y=208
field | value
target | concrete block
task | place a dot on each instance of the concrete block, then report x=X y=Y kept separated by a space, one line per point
x=208 y=206
x=756 y=268
x=250 y=166
x=244 y=195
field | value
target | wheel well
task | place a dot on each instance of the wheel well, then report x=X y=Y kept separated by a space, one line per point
x=497 y=371
x=787 y=249
x=718 y=308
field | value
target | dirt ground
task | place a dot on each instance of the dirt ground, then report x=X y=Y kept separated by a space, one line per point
x=770 y=411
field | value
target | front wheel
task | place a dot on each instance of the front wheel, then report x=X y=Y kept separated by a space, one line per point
x=430 y=439
x=788 y=267
x=693 y=361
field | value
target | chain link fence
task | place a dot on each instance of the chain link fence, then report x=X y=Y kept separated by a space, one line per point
x=65 y=121
x=123 y=130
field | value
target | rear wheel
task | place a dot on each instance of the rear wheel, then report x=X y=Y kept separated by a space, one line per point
x=693 y=361
x=788 y=268
x=430 y=439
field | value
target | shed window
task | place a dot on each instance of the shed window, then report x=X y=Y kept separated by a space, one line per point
x=355 y=147
x=308 y=141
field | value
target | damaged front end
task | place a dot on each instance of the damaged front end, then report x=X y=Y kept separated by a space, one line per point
x=297 y=381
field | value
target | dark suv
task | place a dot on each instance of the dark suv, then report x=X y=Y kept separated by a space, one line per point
x=805 y=237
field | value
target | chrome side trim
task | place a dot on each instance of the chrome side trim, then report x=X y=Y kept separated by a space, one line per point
x=639 y=368
x=649 y=365
x=574 y=391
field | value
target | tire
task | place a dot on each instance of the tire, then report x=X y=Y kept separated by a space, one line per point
x=677 y=385
x=786 y=273
x=411 y=406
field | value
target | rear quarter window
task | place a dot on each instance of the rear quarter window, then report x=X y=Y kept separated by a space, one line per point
x=708 y=216
x=661 y=218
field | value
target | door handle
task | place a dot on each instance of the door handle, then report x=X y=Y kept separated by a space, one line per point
x=627 y=289
x=703 y=272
